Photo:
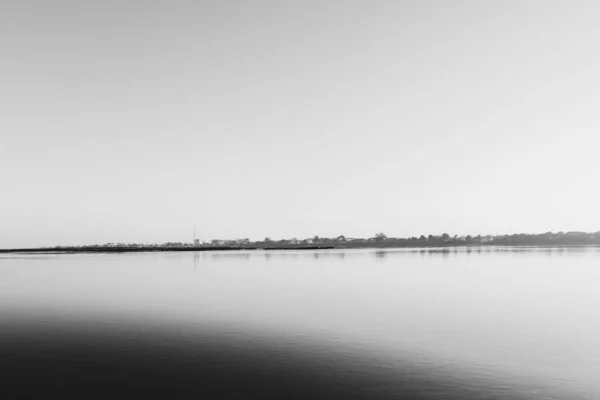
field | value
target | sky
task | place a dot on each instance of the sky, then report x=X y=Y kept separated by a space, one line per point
x=133 y=121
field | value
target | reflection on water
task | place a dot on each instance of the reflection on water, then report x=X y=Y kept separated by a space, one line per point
x=380 y=254
x=92 y=359
x=429 y=323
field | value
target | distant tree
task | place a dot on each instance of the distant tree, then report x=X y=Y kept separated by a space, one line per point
x=380 y=237
x=469 y=238
x=341 y=238
x=267 y=240
x=422 y=238
x=445 y=236
x=316 y=239
x=430 y=237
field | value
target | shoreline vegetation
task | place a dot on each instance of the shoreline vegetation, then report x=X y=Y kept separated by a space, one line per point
x=380 y=240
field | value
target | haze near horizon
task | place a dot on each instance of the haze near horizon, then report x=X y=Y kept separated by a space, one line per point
x=133 y=121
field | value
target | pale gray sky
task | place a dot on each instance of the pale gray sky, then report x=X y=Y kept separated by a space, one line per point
x=135 y=120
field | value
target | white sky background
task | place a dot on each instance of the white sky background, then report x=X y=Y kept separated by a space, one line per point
x=133 y=121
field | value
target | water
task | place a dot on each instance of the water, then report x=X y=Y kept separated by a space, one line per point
x=491 y=323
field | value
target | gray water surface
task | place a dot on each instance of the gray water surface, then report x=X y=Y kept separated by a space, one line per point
x=489 y=323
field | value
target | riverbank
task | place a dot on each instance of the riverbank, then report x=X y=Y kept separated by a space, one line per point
x=144 y=249
x=117 y=249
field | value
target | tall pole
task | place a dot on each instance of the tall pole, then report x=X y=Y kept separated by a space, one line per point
x=194 y=242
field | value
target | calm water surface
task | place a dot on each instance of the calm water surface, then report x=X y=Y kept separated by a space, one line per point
x=504 y=323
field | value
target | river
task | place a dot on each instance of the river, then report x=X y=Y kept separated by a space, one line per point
x=455 y=323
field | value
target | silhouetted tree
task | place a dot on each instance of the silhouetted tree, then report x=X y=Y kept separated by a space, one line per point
x=380 y=237
x=422 y=238
x=445 y=236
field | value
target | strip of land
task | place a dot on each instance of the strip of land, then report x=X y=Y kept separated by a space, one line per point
x=380 y=240
x=128 y=249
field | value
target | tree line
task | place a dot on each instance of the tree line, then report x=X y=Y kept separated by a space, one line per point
x=382 y=240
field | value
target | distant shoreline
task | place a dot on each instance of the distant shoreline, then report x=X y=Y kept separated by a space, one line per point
x=151 y=249
x=379 y=241
x=101 y=249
